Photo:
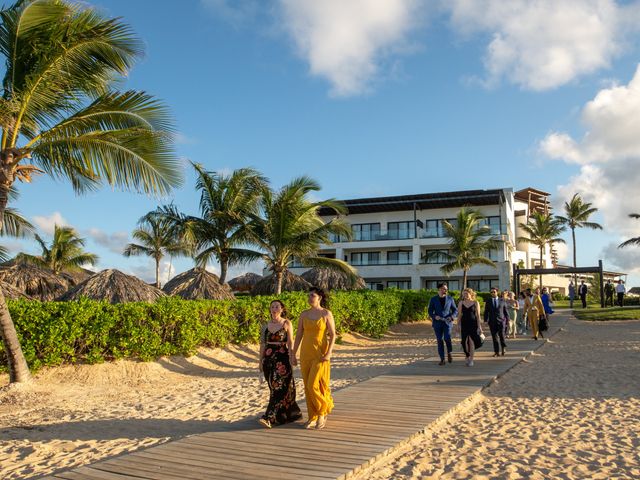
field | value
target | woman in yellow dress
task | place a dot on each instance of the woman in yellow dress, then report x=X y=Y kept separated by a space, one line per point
x=317 y=334
x=533 y=308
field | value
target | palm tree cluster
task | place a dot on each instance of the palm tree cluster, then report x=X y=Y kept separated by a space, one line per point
x=242 y=219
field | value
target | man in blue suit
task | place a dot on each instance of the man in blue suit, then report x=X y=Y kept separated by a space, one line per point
x=443 y=310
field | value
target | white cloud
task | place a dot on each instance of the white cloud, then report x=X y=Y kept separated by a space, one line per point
x=625 y=259
x=564 y=253
x=547 y=43
x=347 y=42
x=609 y=156
x=147 y=271
x=46 y=224
x=114 y=242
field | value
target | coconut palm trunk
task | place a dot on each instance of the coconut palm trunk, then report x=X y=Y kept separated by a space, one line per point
x=18 y=367
x=157 y=272
x=541 y=257
x=278 y=280
x=575 y=263
x=464 y=278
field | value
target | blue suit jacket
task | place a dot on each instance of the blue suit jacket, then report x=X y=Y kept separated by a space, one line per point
x=449 y=312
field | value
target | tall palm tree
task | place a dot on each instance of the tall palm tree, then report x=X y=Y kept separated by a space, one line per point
x=157 y=238
x=59 y=108
x=576 y=215
x=634 y=240
x=468 y=243
x=13 y=225
x=220 y=232
x=542 y=230
x=289 y=228
x=66 y=252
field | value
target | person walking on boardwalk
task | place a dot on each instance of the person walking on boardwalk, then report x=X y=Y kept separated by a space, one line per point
x=317 y=334
x=521 y=322
x=495 y=314
x=276 y=341
x=442 y=311
x=469 y=325
x=609 y=290
x=546 y=304
x=533 y=308
x=572 y=294
x=621 y=290
x=513 y=307
x=582 y=291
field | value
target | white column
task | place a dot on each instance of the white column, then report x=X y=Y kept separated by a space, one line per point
x=339 y=253
x=416 y=255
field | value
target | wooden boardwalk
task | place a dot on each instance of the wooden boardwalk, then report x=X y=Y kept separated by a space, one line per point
x=370 y=420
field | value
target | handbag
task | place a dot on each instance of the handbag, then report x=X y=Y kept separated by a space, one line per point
x=543 y=325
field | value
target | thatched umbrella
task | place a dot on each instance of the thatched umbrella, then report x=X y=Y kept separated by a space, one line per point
x=34 y=281
x=244 y=283
x=75 y=277
x=114 y=287
x=11 y=292
x=290 y=283
x=328 y=279
x=197 y=284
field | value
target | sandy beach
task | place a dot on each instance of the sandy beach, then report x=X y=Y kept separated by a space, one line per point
x=570 y=412
x=74 y=415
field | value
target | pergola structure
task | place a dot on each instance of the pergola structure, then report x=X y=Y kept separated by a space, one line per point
x=559 y=271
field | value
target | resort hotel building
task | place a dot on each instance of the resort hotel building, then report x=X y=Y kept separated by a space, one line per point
x=400 y=242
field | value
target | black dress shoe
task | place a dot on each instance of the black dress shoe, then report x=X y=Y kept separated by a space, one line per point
x=503 y=350
x=441 y=362
x=449 y=357
x=496 y=355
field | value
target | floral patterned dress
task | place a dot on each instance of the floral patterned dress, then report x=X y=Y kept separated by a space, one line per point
x=277 y=370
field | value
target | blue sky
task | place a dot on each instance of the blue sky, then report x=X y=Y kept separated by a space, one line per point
x=381 y=97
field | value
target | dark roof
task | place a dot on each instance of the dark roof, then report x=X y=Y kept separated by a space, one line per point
x=422 y=201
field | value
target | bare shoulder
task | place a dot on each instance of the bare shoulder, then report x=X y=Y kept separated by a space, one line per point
x=327 y=313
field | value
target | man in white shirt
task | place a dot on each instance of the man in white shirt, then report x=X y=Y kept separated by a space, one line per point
x=620 y=290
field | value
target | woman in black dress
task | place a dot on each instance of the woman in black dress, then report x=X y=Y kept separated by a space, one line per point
x=275 y=362
x=469 y=324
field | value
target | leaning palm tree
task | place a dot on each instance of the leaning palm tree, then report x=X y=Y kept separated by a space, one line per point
x=13 y=225
x=634 y=240
x=576 y=215
x=468 y=243
x=220 y=232
x=156 y=239
x=65 y=253
x=59 y=108
x=542 y=230
x=289 y=228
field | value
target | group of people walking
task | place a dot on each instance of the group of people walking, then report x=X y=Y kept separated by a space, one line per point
x=316 y=334
x=505 y=315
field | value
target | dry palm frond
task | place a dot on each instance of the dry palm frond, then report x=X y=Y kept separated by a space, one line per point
x=114 y=287
x=11 y=292
x=34 y=281
x=244 y=283
x=329 y=279
x=198 y=284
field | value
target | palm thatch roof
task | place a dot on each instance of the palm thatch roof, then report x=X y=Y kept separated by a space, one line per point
x=11 y=292
x=244 y=283
x=328 y=279
x=34 y=281
x=114 y=287
x=198 y=284
x=75 y=277
x=290 y=283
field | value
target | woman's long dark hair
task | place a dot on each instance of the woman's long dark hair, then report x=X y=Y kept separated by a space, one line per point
x=324 y=297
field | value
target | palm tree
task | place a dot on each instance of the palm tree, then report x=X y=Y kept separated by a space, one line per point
x=634 y=240
x=220 y=232
x=543 y=229
x=13 y=225
x=468 y=243
x=59 y=108
x=576 y=215
x=289 y=228
x=157 y=238
x=66 y=252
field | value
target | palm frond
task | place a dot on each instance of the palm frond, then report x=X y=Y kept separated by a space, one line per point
x=15 y=225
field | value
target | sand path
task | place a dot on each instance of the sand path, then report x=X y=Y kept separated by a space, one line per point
x=572 y=411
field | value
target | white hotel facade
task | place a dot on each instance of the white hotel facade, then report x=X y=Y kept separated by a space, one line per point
x=392 y=235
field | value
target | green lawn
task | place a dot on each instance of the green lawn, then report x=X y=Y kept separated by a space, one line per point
x=611 y=313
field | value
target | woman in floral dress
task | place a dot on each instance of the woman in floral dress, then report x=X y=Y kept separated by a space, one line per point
x=275 y=362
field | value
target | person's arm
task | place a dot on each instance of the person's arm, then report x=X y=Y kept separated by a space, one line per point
x=486 y=311
x=478 y=316
x=289 y=329
x=296 y=345
x=331 y=333
x=432 y=309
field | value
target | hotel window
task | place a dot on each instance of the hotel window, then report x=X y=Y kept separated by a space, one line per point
x=431 y=228
x=365 y=258
x=492 y=254
x=295 y=263
x=482 y=285
x=400 y=257
x=493 y=223
x=375 y=286
x=399 y=284
x=433 y=284
x=436 y=256
x=400 y=230
x=365 y=231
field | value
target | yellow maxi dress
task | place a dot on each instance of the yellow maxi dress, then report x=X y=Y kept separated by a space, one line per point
x=315 y=373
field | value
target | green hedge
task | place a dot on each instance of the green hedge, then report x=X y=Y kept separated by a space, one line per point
x=86 y=331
